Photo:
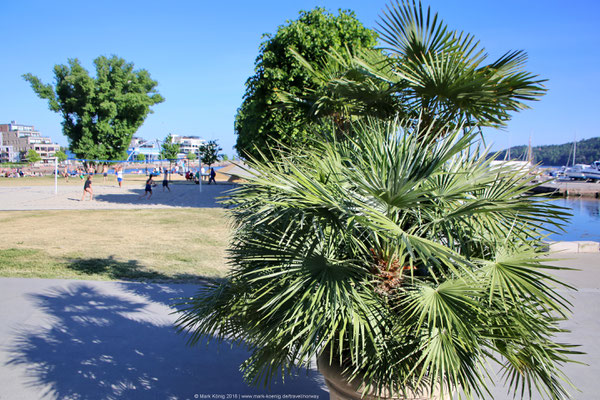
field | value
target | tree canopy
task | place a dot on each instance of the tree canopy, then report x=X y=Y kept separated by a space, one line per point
x=429 y=73
x=33 y=156
x=61 y=155
x=209 y=152
x=101 y=113
x=169 y=150
x=258 y=123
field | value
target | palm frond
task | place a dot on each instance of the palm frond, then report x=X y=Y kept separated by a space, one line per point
x=408 y=262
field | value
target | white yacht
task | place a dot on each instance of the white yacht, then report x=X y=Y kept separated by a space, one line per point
x=584 y=171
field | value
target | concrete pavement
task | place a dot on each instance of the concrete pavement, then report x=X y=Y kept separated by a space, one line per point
x=63 y=339
x=584 y=325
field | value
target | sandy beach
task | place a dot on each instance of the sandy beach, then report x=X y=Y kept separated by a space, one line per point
x=110 y=196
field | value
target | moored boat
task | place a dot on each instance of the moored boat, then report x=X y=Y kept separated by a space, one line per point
x=584 y=171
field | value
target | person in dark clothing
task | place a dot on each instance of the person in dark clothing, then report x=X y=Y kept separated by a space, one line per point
x=149 y=184
x=166 y=180
x=87 y=188
x=212 y=176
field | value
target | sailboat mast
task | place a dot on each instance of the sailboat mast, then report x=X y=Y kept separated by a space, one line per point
x=574 y=148
x=529 y=152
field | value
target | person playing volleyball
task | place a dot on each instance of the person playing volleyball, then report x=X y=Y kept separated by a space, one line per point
x=87 y=188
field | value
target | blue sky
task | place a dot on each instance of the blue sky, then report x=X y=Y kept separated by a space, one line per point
x=201 y=53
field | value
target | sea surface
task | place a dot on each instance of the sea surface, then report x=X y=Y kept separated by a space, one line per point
x=585 y=222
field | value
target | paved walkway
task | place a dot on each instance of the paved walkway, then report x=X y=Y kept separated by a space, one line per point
x=64 y=339
x=584 y=325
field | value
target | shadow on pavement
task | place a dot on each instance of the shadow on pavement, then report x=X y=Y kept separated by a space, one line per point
x=115 y=345
x=181 y=195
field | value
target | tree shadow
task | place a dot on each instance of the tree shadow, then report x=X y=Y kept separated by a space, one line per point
x=129 y=270
x=113 y=269
x=151 y=285
x=104 y=342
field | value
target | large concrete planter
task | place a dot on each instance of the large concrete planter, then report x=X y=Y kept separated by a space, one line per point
x=341 y=389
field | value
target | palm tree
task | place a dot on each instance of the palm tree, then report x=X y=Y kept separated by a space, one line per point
x=425 y=71
x=410 y=264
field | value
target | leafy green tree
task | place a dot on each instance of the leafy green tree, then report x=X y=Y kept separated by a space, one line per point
x=429 y=73
x=209 y=152
x=101 y=113
x=140 y=157
x=169 y=150
x=258 y=123
x=61 y=155
x=33 y=156
x=191 y=156
x=225 y=157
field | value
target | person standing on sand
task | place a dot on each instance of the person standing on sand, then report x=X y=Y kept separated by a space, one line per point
x=120 y=176
x=104 y=172
x=87 y=188
x=166 y=180
x=149 y=184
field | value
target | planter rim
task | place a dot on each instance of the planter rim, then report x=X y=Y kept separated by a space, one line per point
x=340 y=388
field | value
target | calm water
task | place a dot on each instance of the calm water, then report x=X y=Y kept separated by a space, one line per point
x=585 y=223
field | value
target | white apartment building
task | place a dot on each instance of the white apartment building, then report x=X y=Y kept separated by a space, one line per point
x=188 y=144
x=151 y=148
x=7 y=153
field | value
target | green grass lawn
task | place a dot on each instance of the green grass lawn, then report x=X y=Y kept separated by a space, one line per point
x=182 y=244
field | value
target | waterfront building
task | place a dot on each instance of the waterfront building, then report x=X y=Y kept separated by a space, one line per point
x=7 y=153
x=188 y=144
x=137 y=141
x=149 y=148
x=18 y=139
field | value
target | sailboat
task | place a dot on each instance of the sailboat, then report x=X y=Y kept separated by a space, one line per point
x=516 y=165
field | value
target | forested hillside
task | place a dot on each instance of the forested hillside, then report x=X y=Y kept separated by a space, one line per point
x=588 y=151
